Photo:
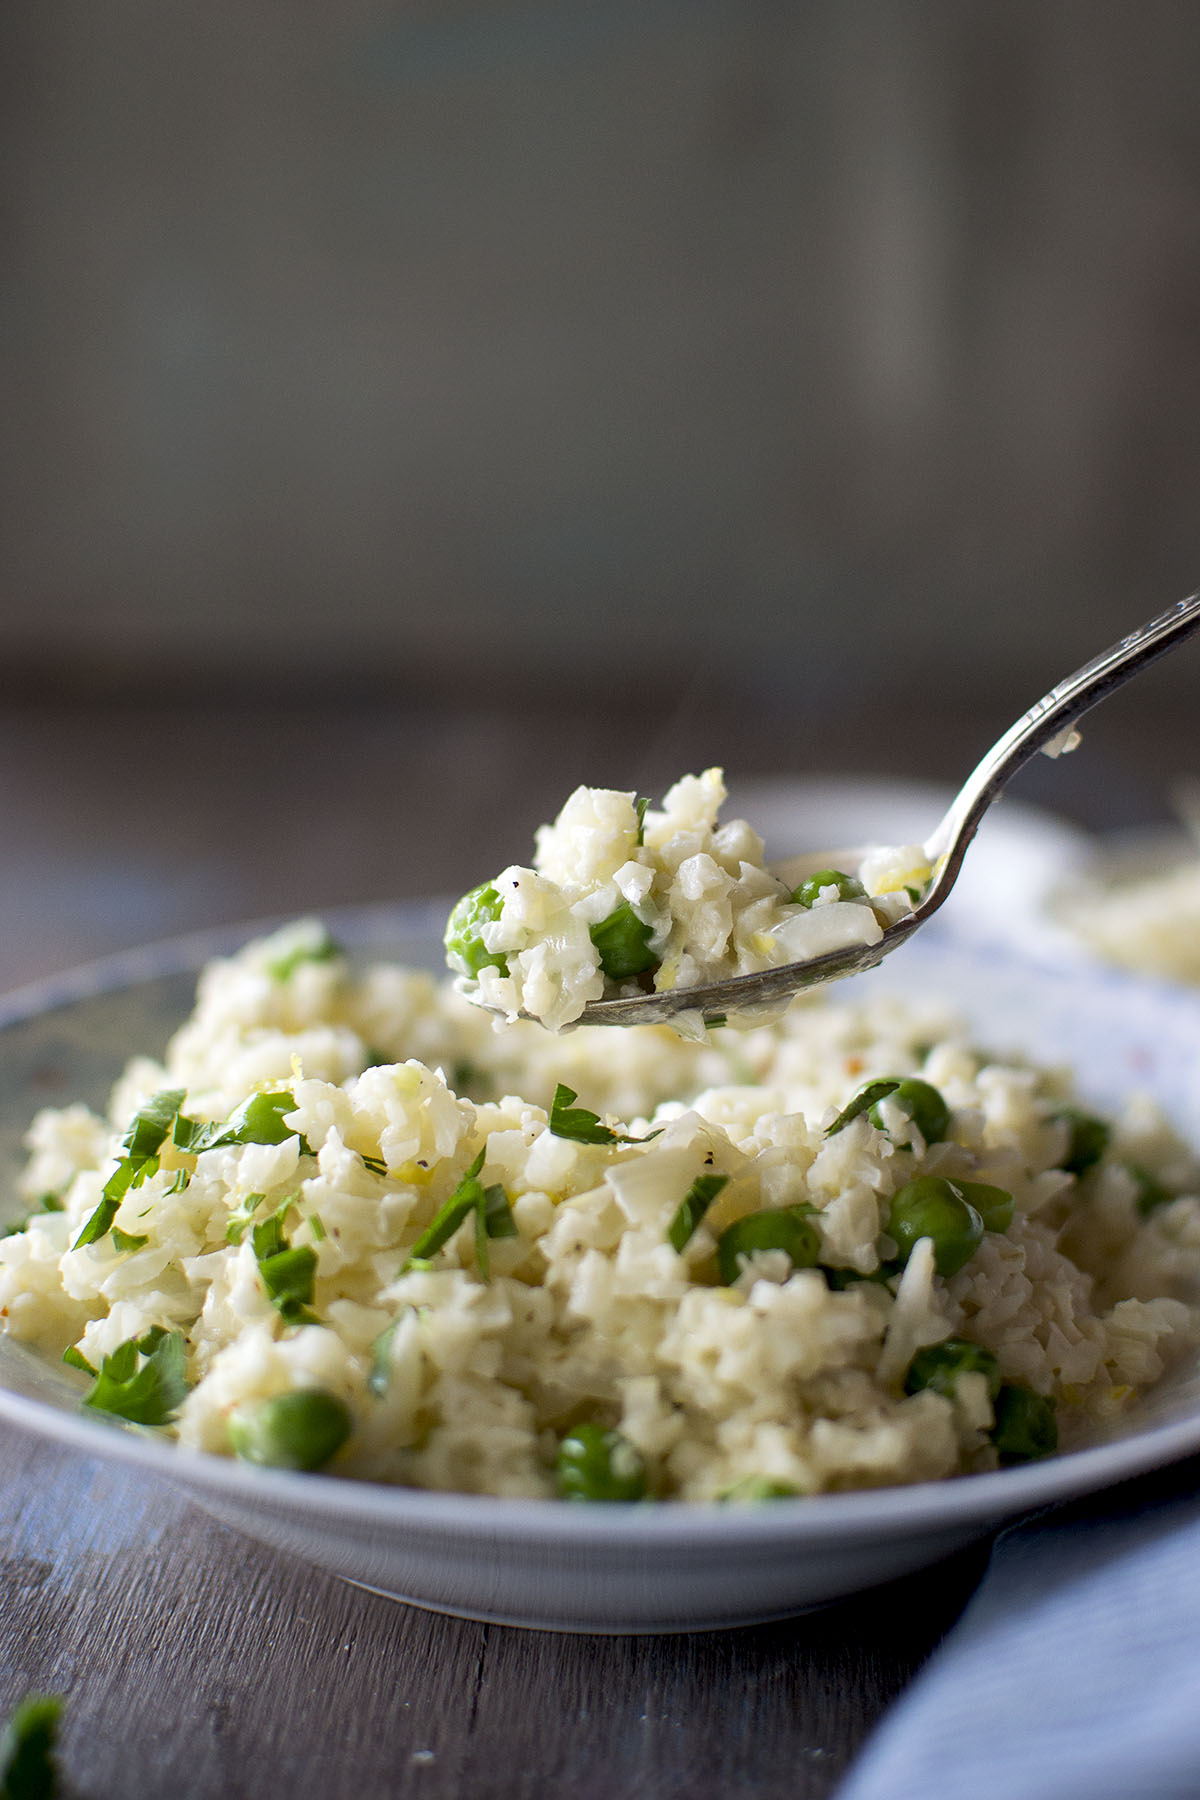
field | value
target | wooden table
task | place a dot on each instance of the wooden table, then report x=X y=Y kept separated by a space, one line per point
x=196 y=1663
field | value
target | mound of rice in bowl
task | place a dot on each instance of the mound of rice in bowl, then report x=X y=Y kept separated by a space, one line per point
x=345 y=1224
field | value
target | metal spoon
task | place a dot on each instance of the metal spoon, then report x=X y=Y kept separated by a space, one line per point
x=1051 y=718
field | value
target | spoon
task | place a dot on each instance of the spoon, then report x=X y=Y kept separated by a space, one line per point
x=1046 y=726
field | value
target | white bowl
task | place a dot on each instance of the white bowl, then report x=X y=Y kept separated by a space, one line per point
x=670 y=1567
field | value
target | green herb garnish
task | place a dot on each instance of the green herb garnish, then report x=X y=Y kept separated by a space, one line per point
x=582 y=1126
x=287 y=1273
x=321 y=949
x=151 y=1124
x=75 y=1359
x=27 y=1766
x=692 y=1208
x=258 y=1120
x=317 y=1226
x=642 y=803
x=497 y=1213
x=863 y=1101
x=240 y=1217
x=268 y=1237
x=753 y=1490
x=141 y=1142
x=125 y=1242
x=288 y=1276
x=492 y=1215
x=465 y=1198
x=144 y=1380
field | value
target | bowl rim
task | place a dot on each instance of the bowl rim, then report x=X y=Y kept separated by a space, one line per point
x=969 y=1500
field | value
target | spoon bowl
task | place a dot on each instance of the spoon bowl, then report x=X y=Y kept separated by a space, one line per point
x=1048 y=726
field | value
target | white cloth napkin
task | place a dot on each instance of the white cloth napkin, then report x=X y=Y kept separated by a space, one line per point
x=1073 y=1674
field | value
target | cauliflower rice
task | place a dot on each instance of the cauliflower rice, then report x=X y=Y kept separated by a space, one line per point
x=464 y=1362
x=624 y=899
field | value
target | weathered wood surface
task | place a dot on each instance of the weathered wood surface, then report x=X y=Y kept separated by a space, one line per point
x=199 y=1664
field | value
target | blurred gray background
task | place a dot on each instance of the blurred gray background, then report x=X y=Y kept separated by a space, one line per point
x=409 y=411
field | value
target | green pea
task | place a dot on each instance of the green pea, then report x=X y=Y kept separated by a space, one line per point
x=597 y=1464
x=932 y=1207
x=847 y=887
x=778 y=1228
x=940 y=1365
x=993 y=1204
x=622 y=940
x=1026 y=1426
x=464 y=931
x=1151 y=1193
x=923 y=1104
x=297 y=1430
x=1088 y=1141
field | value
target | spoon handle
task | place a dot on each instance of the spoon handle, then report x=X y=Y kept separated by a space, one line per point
x=1053 y=714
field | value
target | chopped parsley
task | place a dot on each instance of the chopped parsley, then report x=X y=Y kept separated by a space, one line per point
x=582 y=1126
x=240 y=1217
x=258 y=1120
x=125 y=1242
x=144 y=1380
x=75 y=1359
x=863 y=1101
x=643 y=802
x=268 y=1236
x=319 y=949
x=497 y=1213
x=287 y=1276
x=152 y=1123
x=492 y=1214
x=692 y=1208
x=27 y=1766
x=141 y=1142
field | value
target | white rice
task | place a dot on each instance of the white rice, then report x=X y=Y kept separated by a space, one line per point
x=708 y=905
x=590 y=1314
x=1150 y=922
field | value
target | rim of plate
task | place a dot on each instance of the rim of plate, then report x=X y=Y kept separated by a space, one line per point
x=701 y=1525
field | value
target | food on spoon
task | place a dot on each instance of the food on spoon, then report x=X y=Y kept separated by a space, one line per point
x=846 y=1250
x=624 y=899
